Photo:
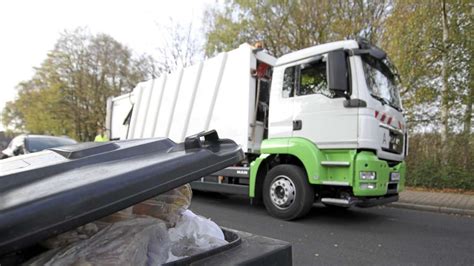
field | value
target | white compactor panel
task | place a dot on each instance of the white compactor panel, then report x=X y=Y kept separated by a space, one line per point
x=118 y=109
x=218 y=93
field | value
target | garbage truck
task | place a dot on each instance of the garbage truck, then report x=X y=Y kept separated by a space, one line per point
x=322 y=124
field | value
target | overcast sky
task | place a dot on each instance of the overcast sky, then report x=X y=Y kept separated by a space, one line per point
x=29 y=29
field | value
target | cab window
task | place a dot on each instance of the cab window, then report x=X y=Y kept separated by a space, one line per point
x=288 y=89
x=313 y=79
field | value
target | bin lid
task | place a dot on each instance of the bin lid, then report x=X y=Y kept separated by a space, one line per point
x=47 y=193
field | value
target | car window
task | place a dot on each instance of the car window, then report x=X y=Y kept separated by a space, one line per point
x=35 y=144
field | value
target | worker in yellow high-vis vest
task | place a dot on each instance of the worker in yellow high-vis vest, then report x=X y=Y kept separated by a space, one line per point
x=101 y=135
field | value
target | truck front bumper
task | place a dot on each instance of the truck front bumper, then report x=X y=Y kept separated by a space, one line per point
x=361 y=202
x=370 y=202
x=374 y=177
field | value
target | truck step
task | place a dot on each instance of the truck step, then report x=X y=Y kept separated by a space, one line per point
x=339 y=202
x=220 y=188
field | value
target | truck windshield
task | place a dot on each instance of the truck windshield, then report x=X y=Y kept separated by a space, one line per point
x=382 y=83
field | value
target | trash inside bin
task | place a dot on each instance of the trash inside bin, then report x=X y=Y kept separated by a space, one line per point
x=167 y=206
x=138 y=240
x=194 y=234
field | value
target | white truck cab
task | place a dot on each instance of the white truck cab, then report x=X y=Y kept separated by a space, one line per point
x=304 y=105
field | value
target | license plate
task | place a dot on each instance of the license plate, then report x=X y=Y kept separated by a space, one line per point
x=394 y=176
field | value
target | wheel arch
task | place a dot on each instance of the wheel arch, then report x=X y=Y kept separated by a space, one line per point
x=296 y=151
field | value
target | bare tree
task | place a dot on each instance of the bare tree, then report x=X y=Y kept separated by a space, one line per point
x=180 y=46
x=67 y=94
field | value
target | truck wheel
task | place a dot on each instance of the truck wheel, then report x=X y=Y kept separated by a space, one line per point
x=286 y=192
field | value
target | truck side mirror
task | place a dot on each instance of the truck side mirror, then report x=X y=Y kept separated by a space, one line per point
x=338 y=73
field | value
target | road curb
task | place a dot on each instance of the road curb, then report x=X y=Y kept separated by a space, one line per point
x=430 y=208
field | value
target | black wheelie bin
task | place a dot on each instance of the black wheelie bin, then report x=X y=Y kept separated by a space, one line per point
x=47 y=193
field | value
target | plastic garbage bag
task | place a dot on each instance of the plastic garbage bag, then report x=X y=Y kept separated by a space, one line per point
x=138 y=241
x=167 y=206
x=135 y=239
x=122 y=215
x=73 y=236
x=194 y=234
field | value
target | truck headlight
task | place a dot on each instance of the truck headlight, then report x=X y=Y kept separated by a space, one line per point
x=368 y=186
x=368 y=175
x=394 y=176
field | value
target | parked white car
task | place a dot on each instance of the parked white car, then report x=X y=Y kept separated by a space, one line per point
x=26 y=143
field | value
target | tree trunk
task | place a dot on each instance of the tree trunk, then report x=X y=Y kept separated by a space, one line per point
x=468 y=124
x=444 y=88
x=468 y=113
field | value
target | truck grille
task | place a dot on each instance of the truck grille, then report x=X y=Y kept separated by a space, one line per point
x=396 y=143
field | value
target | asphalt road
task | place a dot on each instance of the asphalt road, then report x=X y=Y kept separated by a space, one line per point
x=375 y=236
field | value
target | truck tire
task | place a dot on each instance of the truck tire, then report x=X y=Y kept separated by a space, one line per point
x=286 y=192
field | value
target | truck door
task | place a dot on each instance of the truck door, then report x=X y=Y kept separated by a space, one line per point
x=281 y=103
x=318 y=114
